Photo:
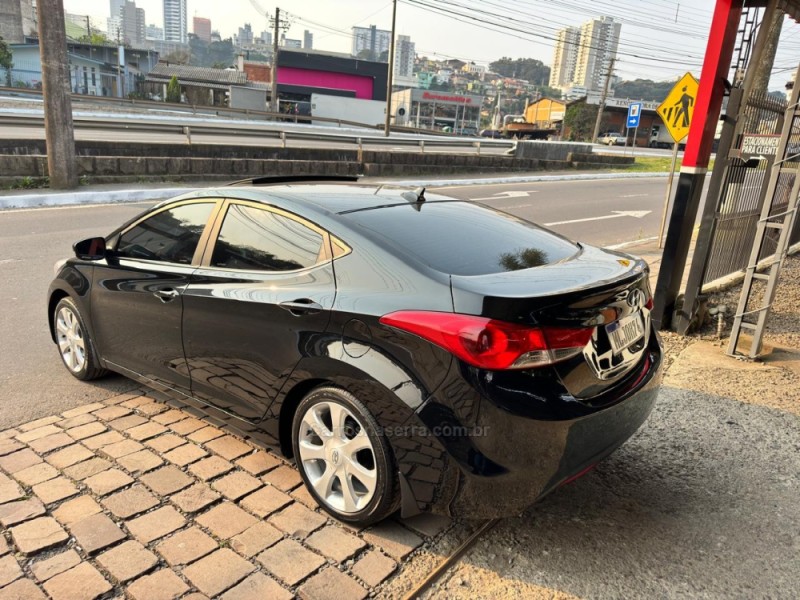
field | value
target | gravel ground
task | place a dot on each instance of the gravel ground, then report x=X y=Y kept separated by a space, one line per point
x=783 y=324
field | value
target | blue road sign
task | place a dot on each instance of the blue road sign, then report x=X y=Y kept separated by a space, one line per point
x=634 y=114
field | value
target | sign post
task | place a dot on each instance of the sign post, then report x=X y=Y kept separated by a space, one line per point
x=632 y=122
x=676 y=111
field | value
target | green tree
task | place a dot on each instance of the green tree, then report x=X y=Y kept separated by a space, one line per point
x=366 y=54
x=214 y=54
x=643 y=89
x=96 y=39
x=529 y=69
x=5 y=60
x=579 y=120
x=173 y=90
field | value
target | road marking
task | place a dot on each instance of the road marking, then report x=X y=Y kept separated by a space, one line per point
x=631 y=243
x=638 y=214
x=509 y=194
x=8 y=260
x=634 y=195
x=514 y=206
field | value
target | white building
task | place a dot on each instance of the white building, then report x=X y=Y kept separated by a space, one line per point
x=404 y=54
x=114 y=28
x=371 y=38
x=598 y=45
x=565 y=57
x=474 y=69
x=154 y=33
x=175 y=21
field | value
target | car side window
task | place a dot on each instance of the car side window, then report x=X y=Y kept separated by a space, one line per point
x=170 y=235
x=257 y=239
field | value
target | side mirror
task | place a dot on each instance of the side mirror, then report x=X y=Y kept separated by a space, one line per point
x=91 y=249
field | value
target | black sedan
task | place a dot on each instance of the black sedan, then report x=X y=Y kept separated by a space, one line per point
x=408 y=350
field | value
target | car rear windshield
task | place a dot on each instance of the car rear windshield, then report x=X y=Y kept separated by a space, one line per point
x=464 y=239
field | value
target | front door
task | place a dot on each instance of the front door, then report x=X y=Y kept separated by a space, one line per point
x=263 y=294
x=137 y=303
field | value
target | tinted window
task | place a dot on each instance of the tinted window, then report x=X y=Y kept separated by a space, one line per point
x=257 y=239
x=170 y=235
x=464 y=239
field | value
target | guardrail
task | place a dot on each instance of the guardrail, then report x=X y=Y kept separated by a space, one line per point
x=219 y=111
x=258 y=130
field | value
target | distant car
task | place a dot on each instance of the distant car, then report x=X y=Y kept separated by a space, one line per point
x=471 y=131
x=612 y=138
x=491 y=133
x=407 y=349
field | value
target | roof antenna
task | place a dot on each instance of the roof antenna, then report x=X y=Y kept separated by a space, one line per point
x=416 y=197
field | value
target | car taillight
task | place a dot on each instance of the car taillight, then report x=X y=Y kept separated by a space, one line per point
x=491 y=344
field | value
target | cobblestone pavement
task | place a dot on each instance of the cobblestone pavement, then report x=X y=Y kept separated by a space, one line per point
x=131 y=498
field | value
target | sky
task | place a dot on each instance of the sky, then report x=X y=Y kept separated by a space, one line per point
x=659 y=40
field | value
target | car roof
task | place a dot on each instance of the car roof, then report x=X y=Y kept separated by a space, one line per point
x=324 y=197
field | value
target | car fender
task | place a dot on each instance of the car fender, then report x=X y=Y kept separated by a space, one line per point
x=428 y=479
x=73 y=280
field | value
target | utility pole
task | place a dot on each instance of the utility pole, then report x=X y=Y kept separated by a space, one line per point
x=59 y=133
x=389 y=79
x=603 y=100
x=273 y=98
x=774 y=23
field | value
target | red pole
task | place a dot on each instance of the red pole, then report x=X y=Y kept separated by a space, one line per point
x=721 y=41
x=717 y=62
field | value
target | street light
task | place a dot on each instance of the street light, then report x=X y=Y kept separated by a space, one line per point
x=387 y=126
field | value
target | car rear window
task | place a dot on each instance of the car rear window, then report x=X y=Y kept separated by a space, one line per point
x=464 y=239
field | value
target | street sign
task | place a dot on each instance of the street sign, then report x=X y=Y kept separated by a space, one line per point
x=634 y=114
x=760 y=144
x=678 y=107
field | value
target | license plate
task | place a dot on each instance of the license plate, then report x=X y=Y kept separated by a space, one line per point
x=625 y=332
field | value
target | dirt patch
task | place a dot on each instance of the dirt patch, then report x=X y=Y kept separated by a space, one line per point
x=773 y=381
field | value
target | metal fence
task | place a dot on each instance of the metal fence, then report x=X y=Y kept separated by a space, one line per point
x=743 y=189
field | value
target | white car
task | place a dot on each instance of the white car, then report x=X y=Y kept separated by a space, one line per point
x=612 y=138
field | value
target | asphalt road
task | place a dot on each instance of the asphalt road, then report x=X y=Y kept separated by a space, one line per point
x=34 y=384
x=600 y=212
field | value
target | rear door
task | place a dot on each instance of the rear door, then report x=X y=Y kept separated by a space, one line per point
x=262 y=296
x=136 y=296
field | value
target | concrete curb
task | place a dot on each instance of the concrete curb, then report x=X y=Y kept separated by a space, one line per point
x=97 y=197
x=33 y=200
x=522 y=179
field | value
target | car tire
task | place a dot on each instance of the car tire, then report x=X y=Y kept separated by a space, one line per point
x=75 y=345
x=348 y=468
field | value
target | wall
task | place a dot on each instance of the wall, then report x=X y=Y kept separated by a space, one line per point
x=361 y=85
x=250 y=98
x=371 y=112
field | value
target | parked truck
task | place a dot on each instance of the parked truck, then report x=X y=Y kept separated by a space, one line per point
x=660 y=138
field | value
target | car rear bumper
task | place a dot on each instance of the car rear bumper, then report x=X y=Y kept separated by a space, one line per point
x=511 y=460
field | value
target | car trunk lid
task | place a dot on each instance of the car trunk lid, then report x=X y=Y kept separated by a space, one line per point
x=598 y=289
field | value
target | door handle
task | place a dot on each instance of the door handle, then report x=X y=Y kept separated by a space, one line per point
x=301 y=306
x=167 y=294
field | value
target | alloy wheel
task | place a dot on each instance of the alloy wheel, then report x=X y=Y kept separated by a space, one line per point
x=70 y=339
x=337 y=457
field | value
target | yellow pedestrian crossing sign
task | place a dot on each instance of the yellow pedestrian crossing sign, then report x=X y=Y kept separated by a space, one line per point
x=678 y=107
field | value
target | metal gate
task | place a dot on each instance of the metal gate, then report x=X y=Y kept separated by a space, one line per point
x=739 y=185
x=744 y=186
